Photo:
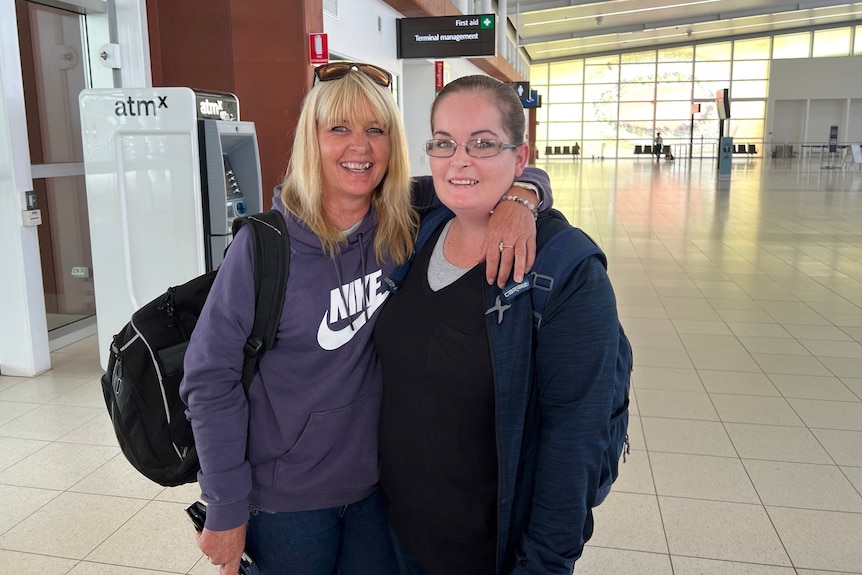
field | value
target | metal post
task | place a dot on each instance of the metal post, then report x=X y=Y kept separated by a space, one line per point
x=695 y=109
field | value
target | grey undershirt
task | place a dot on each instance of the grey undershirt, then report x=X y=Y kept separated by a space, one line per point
x=441 y=273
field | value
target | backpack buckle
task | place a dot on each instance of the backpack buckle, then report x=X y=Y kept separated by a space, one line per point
x=253 y=345
x=543 y=282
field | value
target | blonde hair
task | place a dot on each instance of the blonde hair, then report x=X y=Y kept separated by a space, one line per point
x=357 y=97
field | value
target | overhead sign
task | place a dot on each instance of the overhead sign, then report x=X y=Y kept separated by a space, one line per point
x=531 y=100
x=318 y=49
x=447 y=36
x=523 y=89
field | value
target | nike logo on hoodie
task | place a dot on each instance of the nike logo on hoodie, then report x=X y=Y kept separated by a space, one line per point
x=351 y=307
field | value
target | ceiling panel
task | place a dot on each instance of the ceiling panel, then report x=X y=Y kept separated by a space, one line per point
x=556 y=29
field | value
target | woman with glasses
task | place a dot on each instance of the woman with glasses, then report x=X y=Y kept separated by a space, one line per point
x=491 y=437
x=290 y=470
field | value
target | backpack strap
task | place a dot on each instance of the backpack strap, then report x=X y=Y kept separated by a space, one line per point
x=560 y=248
x=431 y=220
x=271 y=264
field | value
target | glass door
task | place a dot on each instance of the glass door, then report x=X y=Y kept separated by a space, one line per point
x=54 y=64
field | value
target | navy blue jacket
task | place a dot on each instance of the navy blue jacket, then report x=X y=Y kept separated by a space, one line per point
x=554 y=391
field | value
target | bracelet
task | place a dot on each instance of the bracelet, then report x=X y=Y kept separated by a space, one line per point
x=527 y=204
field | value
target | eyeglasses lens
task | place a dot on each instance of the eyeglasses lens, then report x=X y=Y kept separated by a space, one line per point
x=477 y=148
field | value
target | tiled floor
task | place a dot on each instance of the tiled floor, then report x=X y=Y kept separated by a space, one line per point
x=743 y=301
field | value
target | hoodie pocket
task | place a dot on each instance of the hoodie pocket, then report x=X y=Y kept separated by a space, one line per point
x=337 y=450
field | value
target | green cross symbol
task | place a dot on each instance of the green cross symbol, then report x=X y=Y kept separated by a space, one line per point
x=486 y=22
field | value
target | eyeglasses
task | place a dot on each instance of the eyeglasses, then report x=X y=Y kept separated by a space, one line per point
x=338 y=70
x=478 y=148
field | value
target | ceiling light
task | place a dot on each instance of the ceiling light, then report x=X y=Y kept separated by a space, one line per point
x=621 y=12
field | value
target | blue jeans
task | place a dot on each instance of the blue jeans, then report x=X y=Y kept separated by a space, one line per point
x=350 y=540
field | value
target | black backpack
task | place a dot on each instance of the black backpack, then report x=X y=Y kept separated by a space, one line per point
x=141 y=385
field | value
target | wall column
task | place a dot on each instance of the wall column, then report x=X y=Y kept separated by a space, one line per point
x=259 y=53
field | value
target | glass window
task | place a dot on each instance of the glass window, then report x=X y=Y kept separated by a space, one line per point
x=541 y=131
x=59 y=75
x=637 y=111
x=639 y=129
x=603 y=73
x=637 y=73
x=753 y=49
x=832 y=42
x=539 y=74
x=674 y=91
x=751 y=70
x=672 y=110
x=638 y=57
x=601 y=93
x=542 y=113
x=857 y=44
x=680 y=54
x=609 y=60
x=564 y=112
x=712 y=70
x=707 y=90
x=571 y=72
x=747 y=109
x=637 y=92
x=749 y=89
x=746 y=129
x=564 y=131
x=563 y=94
x=675 y=71
x=602 y=111
x=599 y=131
x=712 y=52
x=791 y=46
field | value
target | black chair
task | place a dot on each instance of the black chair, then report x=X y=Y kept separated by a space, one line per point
x=567 y=150
x=752 y=149
x=547 y=150
x=639 y=149
x=648 y=149
x=740 y=149
x=557 y=150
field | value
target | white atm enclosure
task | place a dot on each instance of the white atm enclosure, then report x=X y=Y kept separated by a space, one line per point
x=163 y=186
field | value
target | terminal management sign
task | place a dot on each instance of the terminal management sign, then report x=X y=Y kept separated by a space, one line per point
x=447 y=36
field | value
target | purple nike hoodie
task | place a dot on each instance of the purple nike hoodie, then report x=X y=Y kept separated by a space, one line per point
x=310 y=421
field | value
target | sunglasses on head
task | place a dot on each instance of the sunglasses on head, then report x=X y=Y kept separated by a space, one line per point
x=338 y=70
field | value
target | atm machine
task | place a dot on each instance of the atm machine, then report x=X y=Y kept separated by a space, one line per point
x=167 y=170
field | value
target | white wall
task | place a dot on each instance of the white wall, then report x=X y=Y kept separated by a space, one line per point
x=789 y=120
x=826 y=87
x=24 y=334
x=354 y=33
x=816 y=78
x=854 y=131
x=822 y=115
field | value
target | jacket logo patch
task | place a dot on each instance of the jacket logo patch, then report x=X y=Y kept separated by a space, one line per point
x=500 y=308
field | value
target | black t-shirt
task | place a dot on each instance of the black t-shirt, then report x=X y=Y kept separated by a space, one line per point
x=437 y=425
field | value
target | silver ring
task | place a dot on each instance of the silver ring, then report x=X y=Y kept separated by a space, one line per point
x=502 y=246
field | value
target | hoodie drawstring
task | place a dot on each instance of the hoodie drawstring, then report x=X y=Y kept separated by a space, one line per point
x=344 y=298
